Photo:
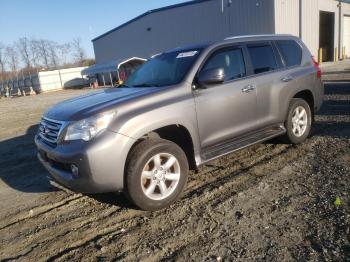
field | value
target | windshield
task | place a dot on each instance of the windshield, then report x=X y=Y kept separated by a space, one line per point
x=163 y=70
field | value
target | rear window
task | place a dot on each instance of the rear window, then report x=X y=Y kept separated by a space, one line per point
x=291 y=52
x=263 y=58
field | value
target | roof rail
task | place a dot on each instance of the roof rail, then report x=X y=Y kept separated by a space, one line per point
x=261 y=35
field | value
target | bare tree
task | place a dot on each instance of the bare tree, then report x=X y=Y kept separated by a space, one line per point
x=52 y=48
x=23 y=47
x=32 y=54
x=3 y=59
x=13 y=60
x=43 y=52
x=63 y=52
x=35 y=52
x=78 y=51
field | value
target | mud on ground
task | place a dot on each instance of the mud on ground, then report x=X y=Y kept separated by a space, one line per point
x=271 y=202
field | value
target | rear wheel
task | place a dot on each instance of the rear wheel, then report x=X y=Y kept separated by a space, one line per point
x=156 y=173
x=298 y=122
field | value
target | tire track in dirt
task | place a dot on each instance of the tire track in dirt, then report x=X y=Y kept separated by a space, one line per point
x=80 y=219
x=195 y=202
x=127 y=211
x=41 y=210
x=44 y=242
x=49 y=210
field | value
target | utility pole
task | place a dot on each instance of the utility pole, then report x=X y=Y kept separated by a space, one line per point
x=59 y=74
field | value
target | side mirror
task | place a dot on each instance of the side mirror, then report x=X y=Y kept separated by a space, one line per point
x=211 y=77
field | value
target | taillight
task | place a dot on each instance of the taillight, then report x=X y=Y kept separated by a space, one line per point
x=319 y=74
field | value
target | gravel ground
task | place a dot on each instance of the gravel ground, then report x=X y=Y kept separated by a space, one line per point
x=272 y=202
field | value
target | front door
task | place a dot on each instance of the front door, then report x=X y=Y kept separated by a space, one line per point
x=229 y=109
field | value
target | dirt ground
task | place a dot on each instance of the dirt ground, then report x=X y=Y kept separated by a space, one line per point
x=272 y=202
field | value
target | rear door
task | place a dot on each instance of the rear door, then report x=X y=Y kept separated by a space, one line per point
x=270 y=79
x=226 y=110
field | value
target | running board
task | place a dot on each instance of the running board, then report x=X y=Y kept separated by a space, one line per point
x=229 y=146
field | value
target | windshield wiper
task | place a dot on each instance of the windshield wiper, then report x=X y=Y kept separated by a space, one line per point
x=145 y=85
x=123 y=85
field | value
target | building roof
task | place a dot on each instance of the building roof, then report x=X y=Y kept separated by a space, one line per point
x=151 y=12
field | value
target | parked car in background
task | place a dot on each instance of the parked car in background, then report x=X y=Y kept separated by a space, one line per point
x=178 y=111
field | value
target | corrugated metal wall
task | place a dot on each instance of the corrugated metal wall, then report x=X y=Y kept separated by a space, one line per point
x=210 y=21
x=287 y=17
x=345 y=11
x=287 y=13
x=287 y=20
x=310 y=22
x=206 y=21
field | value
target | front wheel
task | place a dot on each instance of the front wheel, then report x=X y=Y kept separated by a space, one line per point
x=298 y=122
x=156 y=174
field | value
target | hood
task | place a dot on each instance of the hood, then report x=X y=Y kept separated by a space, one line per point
x=96 y=102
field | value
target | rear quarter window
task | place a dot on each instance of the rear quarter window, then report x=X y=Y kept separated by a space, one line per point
x=290 y=51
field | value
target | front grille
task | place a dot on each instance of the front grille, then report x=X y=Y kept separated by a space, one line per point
x=49 y=131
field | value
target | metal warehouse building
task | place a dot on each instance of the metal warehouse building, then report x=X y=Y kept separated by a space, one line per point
x=319 y=23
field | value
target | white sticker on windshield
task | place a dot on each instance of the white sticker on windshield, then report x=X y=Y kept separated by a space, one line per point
x=187 y=54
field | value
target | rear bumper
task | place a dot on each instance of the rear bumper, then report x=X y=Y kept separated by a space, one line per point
x=100 y=162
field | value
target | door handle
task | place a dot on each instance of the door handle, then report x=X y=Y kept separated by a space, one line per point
x=287 y=79
x=248 y=88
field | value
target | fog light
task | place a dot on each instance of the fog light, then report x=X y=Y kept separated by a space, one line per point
x=74 y=169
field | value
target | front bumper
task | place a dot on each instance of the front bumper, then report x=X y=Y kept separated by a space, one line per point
x=100 y=162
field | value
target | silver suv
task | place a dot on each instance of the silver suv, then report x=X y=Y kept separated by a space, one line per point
x=178 y=111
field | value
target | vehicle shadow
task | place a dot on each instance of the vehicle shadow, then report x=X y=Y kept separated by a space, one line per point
x=22 y=171
x=19 y=167
x=115 y=199
x=334 y=117
x=337 y=88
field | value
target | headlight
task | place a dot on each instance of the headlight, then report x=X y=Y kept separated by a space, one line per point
x=88 y=128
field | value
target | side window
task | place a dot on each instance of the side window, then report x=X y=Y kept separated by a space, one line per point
x=291 y=52
x=231 y=60
x=263 y=58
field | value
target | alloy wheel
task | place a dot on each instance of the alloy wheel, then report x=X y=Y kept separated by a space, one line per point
x=160 y=176
x=299 y=121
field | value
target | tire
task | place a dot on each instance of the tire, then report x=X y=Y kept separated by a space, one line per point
x=296 y=135
x=151 y=186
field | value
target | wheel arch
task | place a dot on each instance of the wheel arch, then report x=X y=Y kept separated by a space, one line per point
x=176 y=133
x=308 y=96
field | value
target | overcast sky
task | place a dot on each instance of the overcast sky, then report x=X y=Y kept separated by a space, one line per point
x=63 y=20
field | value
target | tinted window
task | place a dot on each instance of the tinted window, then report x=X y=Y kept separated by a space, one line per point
x=165 y=69
x=230 y=60
x=290 y=51
x=263 y=58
